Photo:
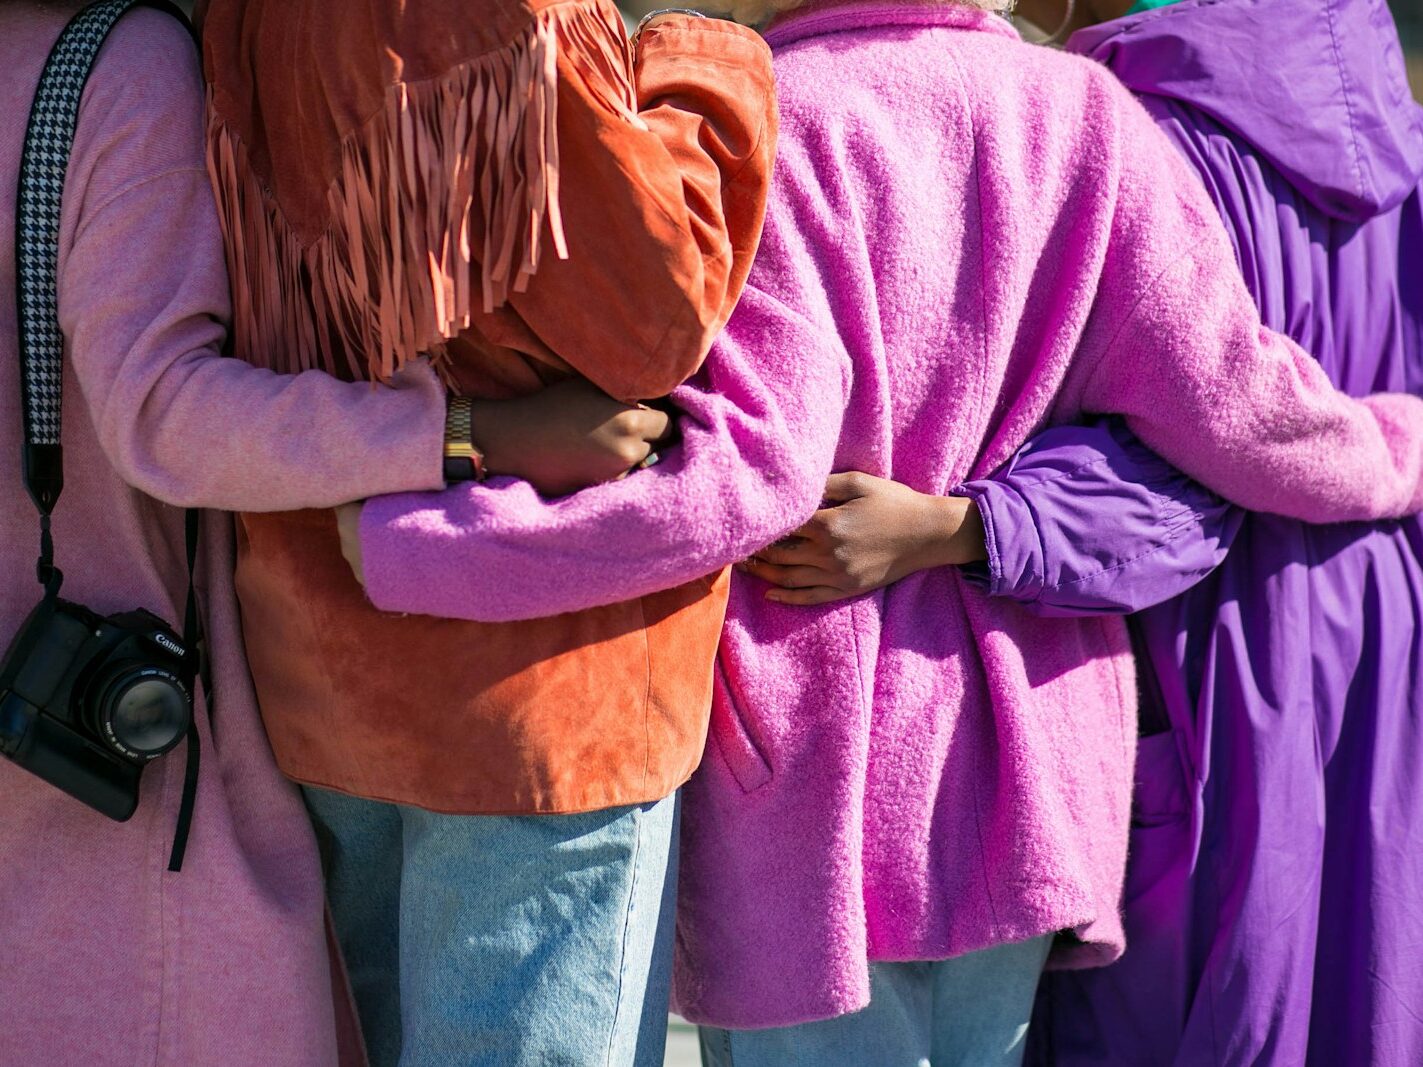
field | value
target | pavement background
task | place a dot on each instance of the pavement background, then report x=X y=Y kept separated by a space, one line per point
x=681 y=1044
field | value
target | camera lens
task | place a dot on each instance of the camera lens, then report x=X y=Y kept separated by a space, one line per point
x=143 y=712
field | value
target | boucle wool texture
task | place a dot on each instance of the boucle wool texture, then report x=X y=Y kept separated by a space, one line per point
x=969 y=238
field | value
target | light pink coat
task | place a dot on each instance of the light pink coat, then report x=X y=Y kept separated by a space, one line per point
x=105 y=957
x=969 y=238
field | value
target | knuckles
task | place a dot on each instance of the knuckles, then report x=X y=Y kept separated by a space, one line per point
x=626 y=423
x=855 y=483
x=630 y=452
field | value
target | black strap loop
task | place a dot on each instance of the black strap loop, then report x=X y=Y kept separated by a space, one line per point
x=50 y=576
x=197 y=671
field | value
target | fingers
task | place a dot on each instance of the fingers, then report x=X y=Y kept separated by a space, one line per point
x=635 y=455
x=817 y=594
x=348 y=525
x=803 y=544
x=785 y=577
x=787 y=552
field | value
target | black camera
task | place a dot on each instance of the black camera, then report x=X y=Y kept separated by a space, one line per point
x=87 y=701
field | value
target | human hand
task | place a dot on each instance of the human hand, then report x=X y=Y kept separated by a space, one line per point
x=567 y=437
x=873 y=533
x=348 y=525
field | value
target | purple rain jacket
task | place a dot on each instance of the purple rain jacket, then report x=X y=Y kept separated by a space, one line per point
x=1274 y=900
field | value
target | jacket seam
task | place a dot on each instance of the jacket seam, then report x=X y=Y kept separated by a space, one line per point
x=983 y=287
x=1356 y=156
x=1175 y=532
x=1128 y=322
x=953 y=65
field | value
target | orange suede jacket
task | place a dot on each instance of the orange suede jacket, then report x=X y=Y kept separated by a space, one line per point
x=507 y=189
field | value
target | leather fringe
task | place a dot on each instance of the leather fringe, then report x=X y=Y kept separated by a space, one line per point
x=393 y=276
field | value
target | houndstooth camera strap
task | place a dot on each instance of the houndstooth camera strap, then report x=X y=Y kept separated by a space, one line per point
x=44 y=167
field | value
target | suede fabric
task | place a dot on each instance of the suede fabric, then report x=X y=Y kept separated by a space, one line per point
x=664 y=164
x=573 y=712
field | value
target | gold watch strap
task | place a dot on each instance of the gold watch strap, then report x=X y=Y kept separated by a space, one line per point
x=459 y=438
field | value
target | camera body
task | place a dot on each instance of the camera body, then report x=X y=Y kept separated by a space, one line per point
x=87 y=701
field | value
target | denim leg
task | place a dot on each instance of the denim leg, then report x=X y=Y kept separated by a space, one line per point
x=967 y=1012
x=538 y=940
x=640 y=1036
x=894 y=1031
x=361 y=853
x=983 y=1002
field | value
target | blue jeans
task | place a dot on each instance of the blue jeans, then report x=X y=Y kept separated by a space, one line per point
x=972 y=1011
x=503 y=941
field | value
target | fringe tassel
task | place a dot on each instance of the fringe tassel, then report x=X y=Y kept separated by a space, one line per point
x=391 y=279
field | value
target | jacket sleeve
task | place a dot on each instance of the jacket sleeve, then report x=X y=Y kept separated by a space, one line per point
x=143 y=300
x=662 y=208
x=1086 y=520
x=1177 y=347
x=760 y=427
x=733 y=485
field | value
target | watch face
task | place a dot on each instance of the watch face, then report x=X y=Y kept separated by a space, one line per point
x=463 y=461
x=460 y=470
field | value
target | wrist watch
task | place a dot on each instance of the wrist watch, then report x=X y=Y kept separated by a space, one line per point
x=463 y=462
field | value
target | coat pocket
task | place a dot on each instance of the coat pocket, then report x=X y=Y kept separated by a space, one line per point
x=728 y=728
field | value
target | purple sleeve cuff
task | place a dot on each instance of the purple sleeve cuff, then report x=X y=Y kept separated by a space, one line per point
x=1086 y=520
x=1014 y=567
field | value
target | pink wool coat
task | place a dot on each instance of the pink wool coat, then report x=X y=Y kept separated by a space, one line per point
x=969 y=238
x=106 y=959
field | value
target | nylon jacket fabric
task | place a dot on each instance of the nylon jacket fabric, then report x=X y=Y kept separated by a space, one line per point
x=1272 y=902
x=1086 y=520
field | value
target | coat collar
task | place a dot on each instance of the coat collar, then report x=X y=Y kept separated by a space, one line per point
x=839 y=16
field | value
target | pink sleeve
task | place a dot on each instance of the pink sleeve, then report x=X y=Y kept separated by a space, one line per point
x=144 y=302
x=1182 y=354
x=761 y=423
x=733 y=485
x=759 y=433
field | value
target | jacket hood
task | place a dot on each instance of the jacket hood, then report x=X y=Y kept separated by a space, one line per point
x=1318 y=87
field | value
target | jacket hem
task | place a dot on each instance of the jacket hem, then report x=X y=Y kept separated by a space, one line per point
x=587 y=802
